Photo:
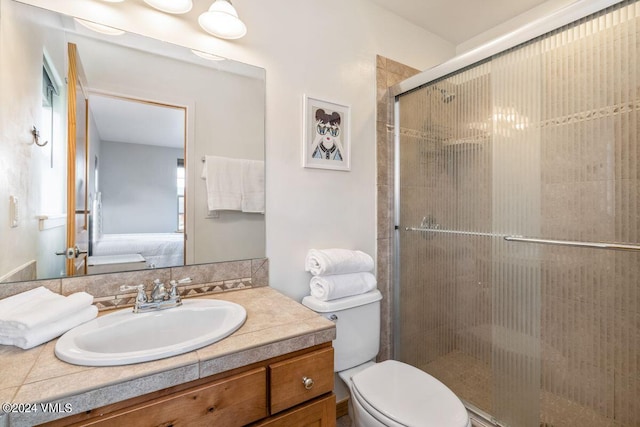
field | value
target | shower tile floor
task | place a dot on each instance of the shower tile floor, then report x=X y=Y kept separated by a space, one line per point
x=470 y=379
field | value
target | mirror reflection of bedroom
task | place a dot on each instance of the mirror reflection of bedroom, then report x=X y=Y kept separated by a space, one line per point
x=136 y=184
x=93 y=210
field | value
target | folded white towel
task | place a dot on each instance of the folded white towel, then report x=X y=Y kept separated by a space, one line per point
x=337 y=261
x=253 y=186
x=39 y=306
x=48 y=331
x=336 y=286
x=9 y=303
x=224 y=183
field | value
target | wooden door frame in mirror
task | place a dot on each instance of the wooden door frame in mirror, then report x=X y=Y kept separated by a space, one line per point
x=75 y=78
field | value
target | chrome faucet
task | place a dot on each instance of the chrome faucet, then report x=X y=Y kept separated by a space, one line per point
x=159 y=293
x=159 y=298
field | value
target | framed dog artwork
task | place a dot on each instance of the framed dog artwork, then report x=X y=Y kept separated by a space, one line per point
x=326 y=139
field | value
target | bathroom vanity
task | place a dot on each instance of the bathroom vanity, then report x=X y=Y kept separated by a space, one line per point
x=276 y=370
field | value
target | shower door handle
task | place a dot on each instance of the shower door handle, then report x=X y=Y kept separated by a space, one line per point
x=594 y=245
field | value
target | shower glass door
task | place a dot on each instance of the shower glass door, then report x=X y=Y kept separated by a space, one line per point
x=540 y=141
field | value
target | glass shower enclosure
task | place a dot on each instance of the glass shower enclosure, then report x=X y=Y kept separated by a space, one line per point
x=518 y=222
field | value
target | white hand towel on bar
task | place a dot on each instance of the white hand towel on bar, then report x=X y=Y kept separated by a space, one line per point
x=337 y=261
x=46 y=332
x=39 y=306
x=336 y=286
x=223 y=179
x=253 y=186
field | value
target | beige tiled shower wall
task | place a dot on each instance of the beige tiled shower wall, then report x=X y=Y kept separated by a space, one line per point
x=576 y=178
x=205 y=279
x=590 y=186
x=388 y=73
x=446 y=178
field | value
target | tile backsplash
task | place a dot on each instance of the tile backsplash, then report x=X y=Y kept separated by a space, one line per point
x=205 y=279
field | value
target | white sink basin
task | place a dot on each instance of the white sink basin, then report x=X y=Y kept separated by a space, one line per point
x=124 y=337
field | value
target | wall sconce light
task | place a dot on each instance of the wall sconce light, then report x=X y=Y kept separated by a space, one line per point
x=221 y=20
x=104 y=29
x=171 y=6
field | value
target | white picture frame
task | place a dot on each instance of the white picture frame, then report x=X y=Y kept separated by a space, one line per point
x=326 y=135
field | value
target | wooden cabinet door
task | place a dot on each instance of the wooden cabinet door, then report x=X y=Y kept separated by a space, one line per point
x=233 y=402
x=318 y=413
x=287 y=379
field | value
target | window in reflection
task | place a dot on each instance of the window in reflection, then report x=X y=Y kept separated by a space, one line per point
x=181 y=187
x=49 y=94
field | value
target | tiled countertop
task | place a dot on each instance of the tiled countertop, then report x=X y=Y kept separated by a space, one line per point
x=275 y=325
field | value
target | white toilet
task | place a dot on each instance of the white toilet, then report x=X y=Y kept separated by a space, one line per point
x=389 y=393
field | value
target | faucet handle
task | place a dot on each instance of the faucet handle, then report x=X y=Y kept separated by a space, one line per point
x=174 y=293
x=127 y=288
x=141 y=297
x=175 y=283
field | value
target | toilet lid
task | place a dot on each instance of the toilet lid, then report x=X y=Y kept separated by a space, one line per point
x=409 y=396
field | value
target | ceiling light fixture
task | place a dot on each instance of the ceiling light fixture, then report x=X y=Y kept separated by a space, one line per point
x=221 y=20
x=104 y=29
x=206 y=55
x=171 y=6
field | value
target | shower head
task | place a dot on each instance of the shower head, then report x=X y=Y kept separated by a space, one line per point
x=447 y=97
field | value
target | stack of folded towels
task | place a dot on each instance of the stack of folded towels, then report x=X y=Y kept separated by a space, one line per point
x=339 y=273
x=39 y=315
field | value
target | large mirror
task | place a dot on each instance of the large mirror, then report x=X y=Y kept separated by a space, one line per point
x=156 y=128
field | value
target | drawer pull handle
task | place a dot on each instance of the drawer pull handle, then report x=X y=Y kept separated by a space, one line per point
x=308 y=382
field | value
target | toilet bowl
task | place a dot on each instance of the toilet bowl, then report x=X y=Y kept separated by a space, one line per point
x=395 y=394
x=389 y=393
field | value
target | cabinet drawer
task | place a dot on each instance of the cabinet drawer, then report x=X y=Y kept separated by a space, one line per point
x=287 y=379
x=320 y=412
x=233 y=401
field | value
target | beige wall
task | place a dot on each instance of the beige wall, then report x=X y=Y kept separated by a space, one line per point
x=25 y=170
x=324 y=50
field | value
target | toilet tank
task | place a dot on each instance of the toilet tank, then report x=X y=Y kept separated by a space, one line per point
x=357 y=320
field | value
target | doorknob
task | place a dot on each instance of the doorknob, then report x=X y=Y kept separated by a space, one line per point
x=71 y=253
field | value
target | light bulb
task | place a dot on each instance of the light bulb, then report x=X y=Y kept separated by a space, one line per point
x=103 y=29
x=209 y=56
x=171 y=6
x=221 y=20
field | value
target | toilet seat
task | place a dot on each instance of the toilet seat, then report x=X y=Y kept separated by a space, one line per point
x=400 y=395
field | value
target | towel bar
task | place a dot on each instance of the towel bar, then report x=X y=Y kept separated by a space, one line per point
x=522 y=239
x=594 y=245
